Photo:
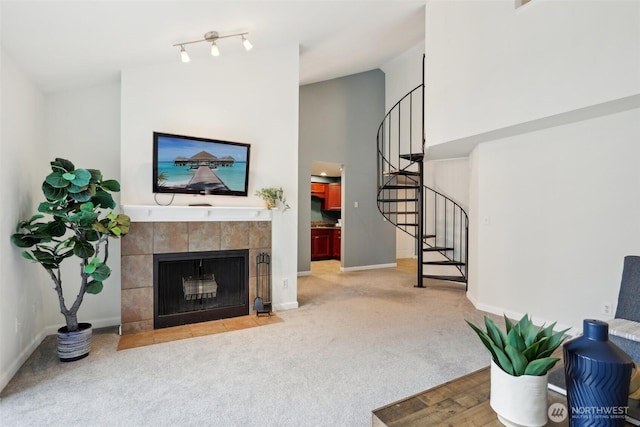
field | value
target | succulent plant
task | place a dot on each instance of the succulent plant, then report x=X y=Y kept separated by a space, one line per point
x=525 y=349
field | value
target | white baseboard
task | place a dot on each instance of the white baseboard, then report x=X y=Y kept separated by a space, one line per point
x=95 y=323
x=286 y=306
x=369 y=267
x=304 y=273
x=5 y=377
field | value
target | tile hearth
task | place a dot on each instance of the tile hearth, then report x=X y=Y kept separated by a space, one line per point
x=193 y=330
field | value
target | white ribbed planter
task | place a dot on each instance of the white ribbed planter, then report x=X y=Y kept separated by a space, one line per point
x=519 y=401
x=74 y=345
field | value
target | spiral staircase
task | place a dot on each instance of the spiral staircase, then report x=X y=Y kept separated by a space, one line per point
x=439 y=225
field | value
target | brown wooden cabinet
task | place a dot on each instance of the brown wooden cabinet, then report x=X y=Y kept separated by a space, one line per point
x=335 y=243
x=319 y=189
x=334 y=196
x=321 y=239
x=325 y=243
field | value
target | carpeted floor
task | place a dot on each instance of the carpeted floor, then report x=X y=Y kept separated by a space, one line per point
x=359 y=340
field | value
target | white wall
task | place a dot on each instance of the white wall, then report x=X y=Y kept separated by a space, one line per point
x=491 y=65
x=250 y=97
x=84 y=126
x=22 y=285
x=553 y=204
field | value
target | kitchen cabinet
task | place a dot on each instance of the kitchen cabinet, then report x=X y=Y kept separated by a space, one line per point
x=321 y=239
x=334 y=196
x=318 y=189
x=335 y=243
x=325 y=243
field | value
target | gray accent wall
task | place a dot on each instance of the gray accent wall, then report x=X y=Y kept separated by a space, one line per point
x=338 y=123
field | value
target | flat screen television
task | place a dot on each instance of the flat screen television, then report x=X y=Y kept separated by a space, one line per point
x=192 y=165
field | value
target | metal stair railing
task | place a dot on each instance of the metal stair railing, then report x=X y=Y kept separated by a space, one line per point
x=439 y=224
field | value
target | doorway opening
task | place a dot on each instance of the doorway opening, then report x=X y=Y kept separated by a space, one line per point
x=326 y=215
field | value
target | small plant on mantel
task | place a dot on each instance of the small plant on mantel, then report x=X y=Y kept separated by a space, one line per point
x=69 y=223
x=525 y=349
x=271 y=197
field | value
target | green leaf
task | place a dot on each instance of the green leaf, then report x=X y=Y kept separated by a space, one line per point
x=51 y=193
x=69 y=176
x=87 y=207
x=102 y=272
x=94 y=287
x=83 y=196
x=103 y=199
x=531 y=335
x=27 y=255
x=111 y=185
x=83 y=249
x=531 y=352
x=63 y=165
x=96 y=175
x=550 y=344
x=518 y=361
x=548 y=331
x=507 y=323
x=540 y=366
x=515 y=340
x=56 y=180
x=84 y=219
x=503 y=360
x=75 y=189
x=495 y=333
x=57 y=228
x=81 y=177
x=89 y=268
x=485 y=339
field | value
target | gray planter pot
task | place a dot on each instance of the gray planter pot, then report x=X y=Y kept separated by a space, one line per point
x=74 y=345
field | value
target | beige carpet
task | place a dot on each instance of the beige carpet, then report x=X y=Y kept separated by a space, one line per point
x=358 y=341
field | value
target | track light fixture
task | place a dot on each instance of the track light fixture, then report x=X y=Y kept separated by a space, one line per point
x=212 y=37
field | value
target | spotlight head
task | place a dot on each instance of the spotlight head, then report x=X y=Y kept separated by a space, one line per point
x=214 y=49
x=184 y=55
x=246 y=43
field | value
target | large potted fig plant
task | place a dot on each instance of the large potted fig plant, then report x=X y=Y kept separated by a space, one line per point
x=521 y=358
x=75 y=220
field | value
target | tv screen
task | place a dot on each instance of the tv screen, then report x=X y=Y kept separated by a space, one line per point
x=191 y=165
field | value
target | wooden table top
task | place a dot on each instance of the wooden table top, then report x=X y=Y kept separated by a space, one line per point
x=463 y=401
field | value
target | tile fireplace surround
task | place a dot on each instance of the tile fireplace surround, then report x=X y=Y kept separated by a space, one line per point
x=178 y=229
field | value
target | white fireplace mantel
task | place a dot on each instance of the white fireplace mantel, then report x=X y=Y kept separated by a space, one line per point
x=151 y=213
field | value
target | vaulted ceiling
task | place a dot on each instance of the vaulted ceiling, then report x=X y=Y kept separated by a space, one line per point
x=61 y=45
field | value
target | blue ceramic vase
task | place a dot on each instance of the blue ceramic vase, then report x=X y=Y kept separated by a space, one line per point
x=597 y=373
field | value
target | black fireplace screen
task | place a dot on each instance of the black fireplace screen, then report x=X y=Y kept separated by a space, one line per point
x=193 y=287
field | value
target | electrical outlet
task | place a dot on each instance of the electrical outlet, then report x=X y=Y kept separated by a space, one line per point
x=607 y=308
x=285 y=283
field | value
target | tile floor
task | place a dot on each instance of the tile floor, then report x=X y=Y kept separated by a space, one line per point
x=157 y=336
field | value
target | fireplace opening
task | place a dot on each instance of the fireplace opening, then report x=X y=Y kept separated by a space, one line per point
x=192 y=287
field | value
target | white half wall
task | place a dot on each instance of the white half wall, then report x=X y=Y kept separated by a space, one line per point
x=249 y=97
x=553 y=216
